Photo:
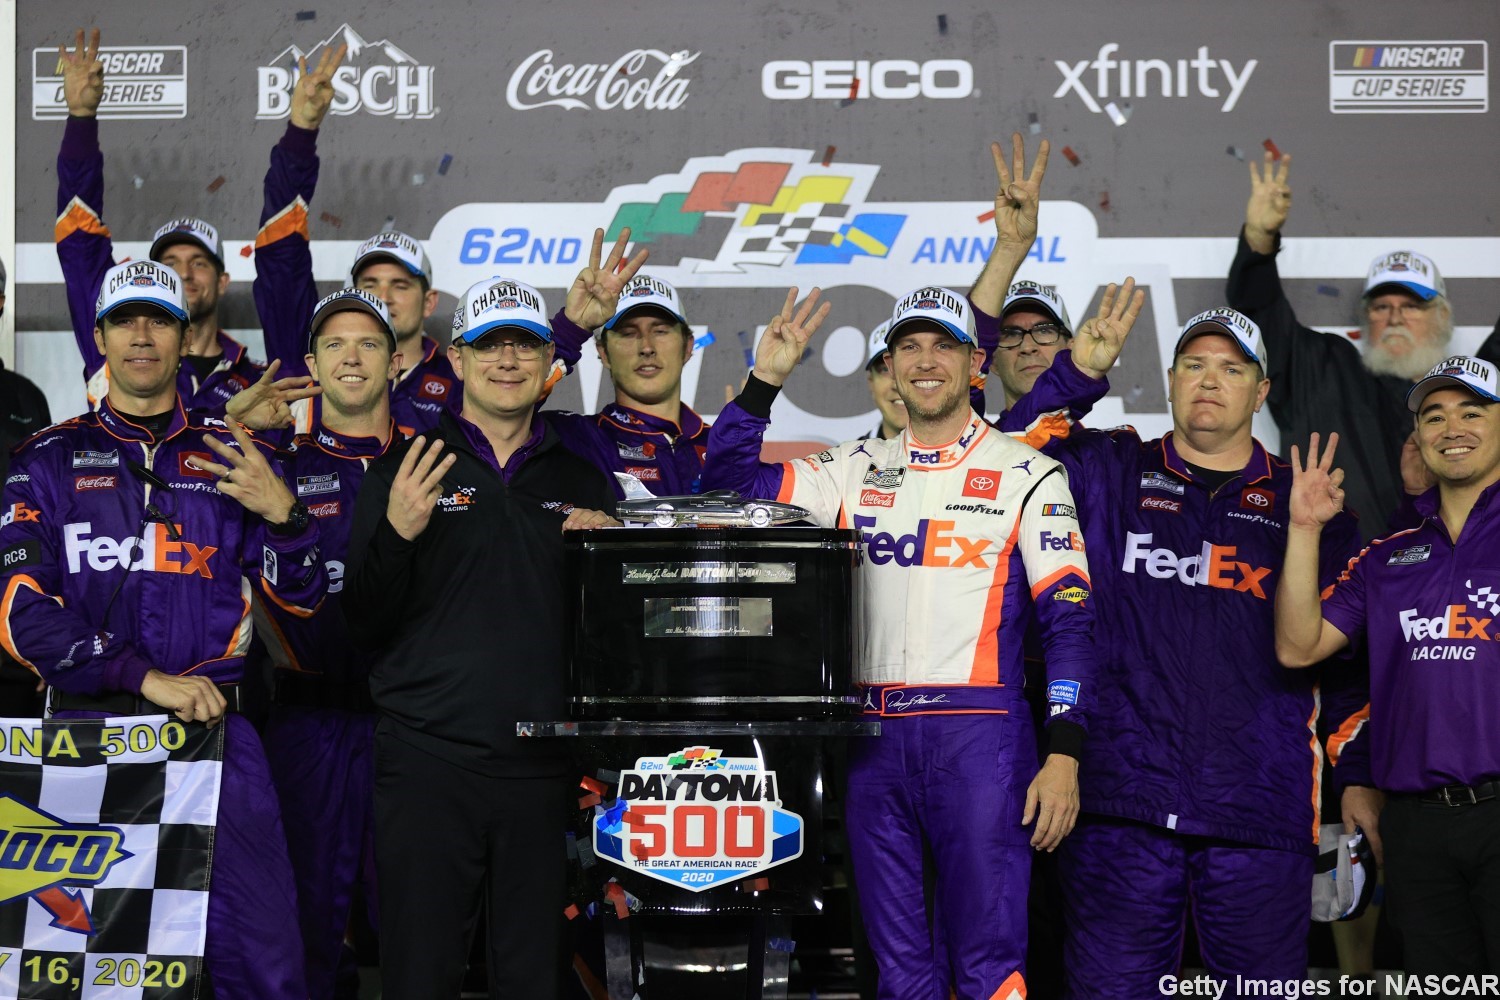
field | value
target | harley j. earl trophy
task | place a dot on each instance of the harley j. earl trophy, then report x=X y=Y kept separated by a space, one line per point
x=711 y=660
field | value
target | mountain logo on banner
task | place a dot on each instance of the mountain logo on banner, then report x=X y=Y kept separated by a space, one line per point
x=778 y=207
x=40 y=854
x=379 y=78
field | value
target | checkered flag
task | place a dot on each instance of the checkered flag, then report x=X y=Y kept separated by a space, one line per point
x=106 y=836
x=814 y=223
x=1485 y=598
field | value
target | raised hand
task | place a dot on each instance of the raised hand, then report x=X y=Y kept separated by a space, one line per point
x=83 y=75
x=596 y=291
x=1270 y=201
x=1317 y=493
x=1018 y=196
x=1098 y=342
x=1416 y=477
x=313 y=94
x=266 y=405
x=246 y=477
x=414 y=492
x=786 y=337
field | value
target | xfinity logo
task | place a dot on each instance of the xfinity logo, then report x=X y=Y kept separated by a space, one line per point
x=641 y=78
x=377 y=77
x=1153 y=77
x=883 y=79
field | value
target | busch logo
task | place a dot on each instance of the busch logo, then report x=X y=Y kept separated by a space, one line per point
x=624 y=83
x=377 y=78
x=923 y=548
x=154 y=552
x=1214 y=566
x=1138 y=80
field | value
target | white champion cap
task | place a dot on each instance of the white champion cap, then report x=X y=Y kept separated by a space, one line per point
x=498 y=303
x=1457 y=372
x=877 y=346
x=1043 y=298
x=187 y=230
x=932 y=304
x=1408 y=269
x=350 y=300
x=141 y=281
x=396 y=247
x=643 y=291
x=1239 y=327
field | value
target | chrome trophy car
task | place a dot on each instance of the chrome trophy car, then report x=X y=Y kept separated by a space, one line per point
x=719 y=509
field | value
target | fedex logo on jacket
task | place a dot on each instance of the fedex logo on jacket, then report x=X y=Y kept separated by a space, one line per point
x=1213 y=566
x=932 y=544
x=154 y=552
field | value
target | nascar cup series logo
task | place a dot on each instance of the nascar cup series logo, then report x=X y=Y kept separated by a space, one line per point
x=697 y=819
x=641 y=78
x=377 y=77
x=1408 y=77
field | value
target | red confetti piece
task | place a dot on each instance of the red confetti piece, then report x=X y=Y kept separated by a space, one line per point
x=828 y=156
x=332 y=220
x=247 y=250
x=588 y=801
x=215 y=184
x=571 y=912
x=854 y=89
x=756 y=885
x=1072 y=156
x=1271 y=148
x=1353 y=334
x=622 y=908
x=1104 y=201
x=632 y=817
x=987 y=216
x=593 y=785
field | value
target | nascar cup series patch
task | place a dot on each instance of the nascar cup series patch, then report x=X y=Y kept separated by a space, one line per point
x=697 y=819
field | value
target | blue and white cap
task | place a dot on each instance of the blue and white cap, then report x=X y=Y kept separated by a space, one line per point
x=932 y=304
x=141 y=281
x=877 y=346
x=396 y=247
x=1239 y=327
x=498 y=303
x=1041 y=298
x=645 y=291
x=351 y=300
x=188 y=230
x=1457 y=372
x=1410 y=270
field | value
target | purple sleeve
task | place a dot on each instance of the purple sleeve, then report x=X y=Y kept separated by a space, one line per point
x=36 y=626
x=569 y=339
x=84 y=247
x=1346 y=680
x=733 y=459
x=987 y=330
x=284 y=290
x=1061 y=393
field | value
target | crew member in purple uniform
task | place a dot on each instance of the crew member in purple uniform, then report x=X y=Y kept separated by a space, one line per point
x=134 y=538
x=320 y=735
x=214 y=366
x=1418 y=756
x=1200 y=777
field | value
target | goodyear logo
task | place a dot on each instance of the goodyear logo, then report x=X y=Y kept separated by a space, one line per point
x=40 y=853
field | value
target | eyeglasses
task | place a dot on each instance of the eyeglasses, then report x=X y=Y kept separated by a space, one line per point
x=1384 y=310
x=1043 y=334
x=528 y=349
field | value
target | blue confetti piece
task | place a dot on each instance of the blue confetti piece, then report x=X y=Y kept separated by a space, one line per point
x=1328 y=290
x=942 y=24
x=703 y=341
x=746 y=346
x=786 y=945
x=1033 y=124
x=307 y=15
x=445 y=164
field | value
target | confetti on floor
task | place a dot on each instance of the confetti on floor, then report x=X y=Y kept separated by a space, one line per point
x=443 y=166
x=828 y=155
x=216 y=183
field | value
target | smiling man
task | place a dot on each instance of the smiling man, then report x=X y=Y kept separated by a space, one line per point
x=456 y=533
x=1419 y=761
x=968 y=534
x=1200 y=775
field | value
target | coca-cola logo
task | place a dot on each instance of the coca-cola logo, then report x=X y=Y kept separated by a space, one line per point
x=94 y=483
x=329 y=508
x=875 y=498
x=1161 y=503
x=641 y=78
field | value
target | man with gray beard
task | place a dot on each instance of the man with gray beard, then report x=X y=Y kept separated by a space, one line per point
x=1325 y=383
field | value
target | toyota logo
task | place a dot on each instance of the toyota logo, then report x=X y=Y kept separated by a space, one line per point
x=1259 y=499
x=982 y=483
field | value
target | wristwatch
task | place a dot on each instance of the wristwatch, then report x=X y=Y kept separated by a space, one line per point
x=295 y=523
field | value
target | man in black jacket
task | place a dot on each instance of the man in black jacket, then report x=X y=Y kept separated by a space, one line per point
x=456 y=579
x=1324 y=383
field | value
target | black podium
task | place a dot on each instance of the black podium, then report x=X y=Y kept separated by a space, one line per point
x=708 y=668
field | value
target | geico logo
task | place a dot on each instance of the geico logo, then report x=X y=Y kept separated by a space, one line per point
x=1214 y=566
x=1453 y=623
x=883 y=79
x=155 y=552
x=932 y=544
x=65 y=853
x=19 y=513
x=1071 y=542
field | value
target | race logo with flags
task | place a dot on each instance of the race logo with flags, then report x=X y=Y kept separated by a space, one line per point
x=106 y=847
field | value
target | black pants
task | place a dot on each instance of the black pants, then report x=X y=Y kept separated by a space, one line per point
x=1442 y=884
x=448 y=839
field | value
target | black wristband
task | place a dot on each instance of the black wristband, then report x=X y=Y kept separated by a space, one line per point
x=757 y=396
x=1066 y=738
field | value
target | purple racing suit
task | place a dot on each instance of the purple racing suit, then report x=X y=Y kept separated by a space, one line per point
x=320 y=736
x=1201 y=736
x=965 y=544
x=86 y=250
x=110 y=572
